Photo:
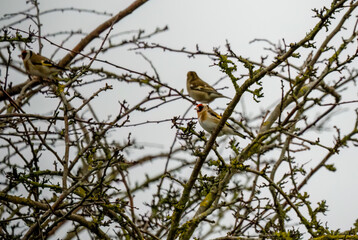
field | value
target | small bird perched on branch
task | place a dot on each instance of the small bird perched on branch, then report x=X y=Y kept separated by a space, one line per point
x=209 y=120
x=37 y=65
x=199 y=90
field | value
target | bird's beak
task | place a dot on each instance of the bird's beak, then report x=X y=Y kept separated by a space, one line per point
x=196 y=108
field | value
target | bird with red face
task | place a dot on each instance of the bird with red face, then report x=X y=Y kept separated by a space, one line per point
x=209 y=119
x=37 y=65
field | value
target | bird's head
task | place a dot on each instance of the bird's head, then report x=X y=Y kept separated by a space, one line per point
x=191 y=75
x=200 y=107
x=26 y=54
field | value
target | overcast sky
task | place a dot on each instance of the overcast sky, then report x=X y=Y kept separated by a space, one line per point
x=209 y=24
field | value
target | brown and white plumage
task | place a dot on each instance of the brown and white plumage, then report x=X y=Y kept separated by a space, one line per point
x=37 y=65
x=200 y=90
x=209 y=119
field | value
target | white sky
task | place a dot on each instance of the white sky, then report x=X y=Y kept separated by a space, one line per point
x=209 y=24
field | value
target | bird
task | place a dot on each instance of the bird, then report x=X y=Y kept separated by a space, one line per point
x=200 y=90
x=209 y=119
x=37 y=65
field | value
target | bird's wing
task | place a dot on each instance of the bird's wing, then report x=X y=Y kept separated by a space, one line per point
x=47 y=63
x=218 y=117
x=39 y=60
x=203 y=88
x=43 y=61
x=214 y=114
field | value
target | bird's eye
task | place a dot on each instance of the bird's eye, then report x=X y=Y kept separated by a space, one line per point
x=200 y=108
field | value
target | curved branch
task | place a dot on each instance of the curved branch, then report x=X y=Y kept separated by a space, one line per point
x=83 y=43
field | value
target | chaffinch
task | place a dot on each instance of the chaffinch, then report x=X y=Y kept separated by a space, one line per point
x=199 y=90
